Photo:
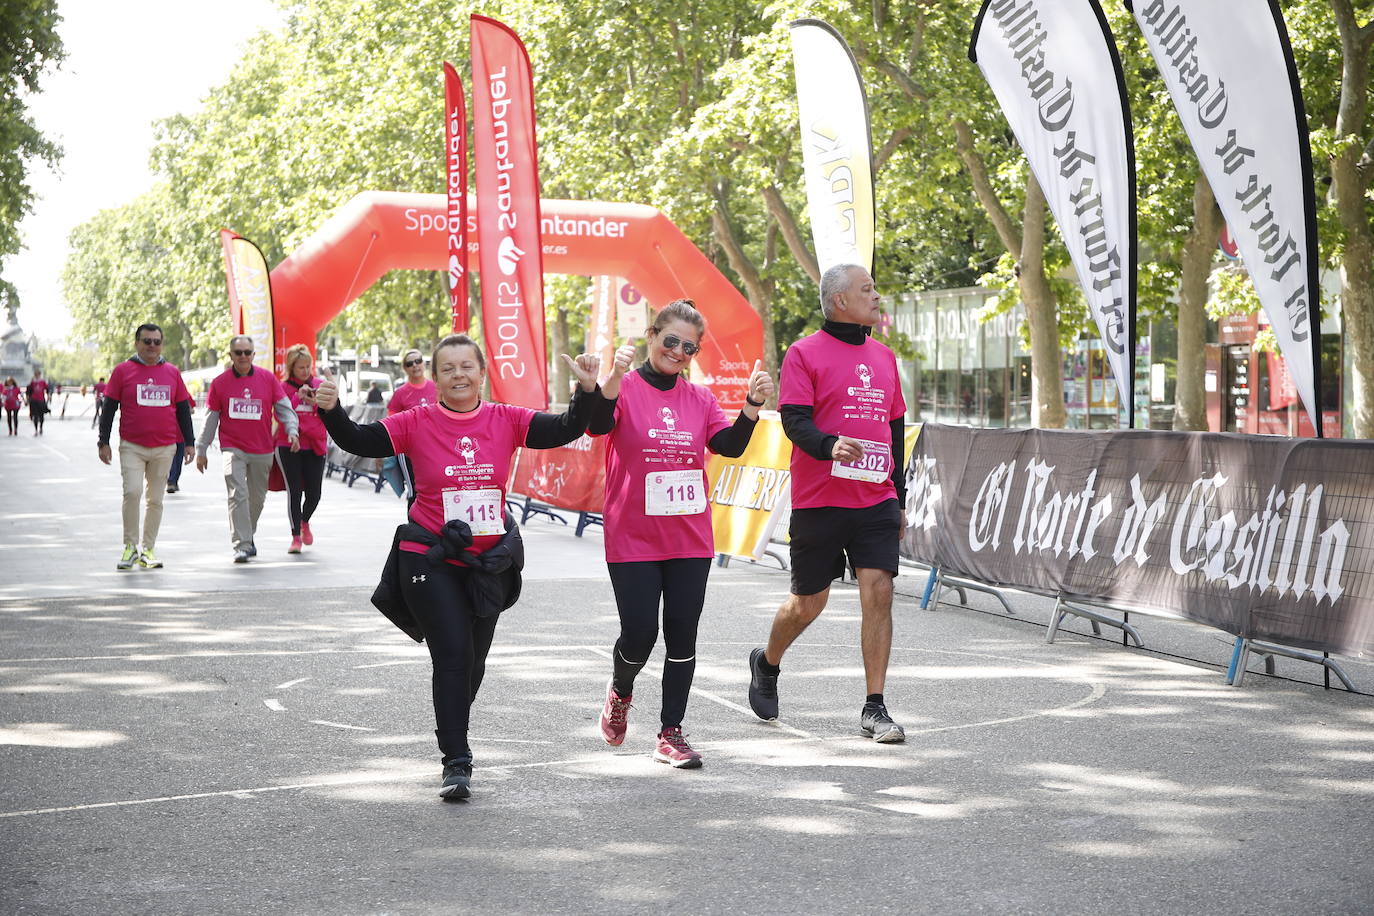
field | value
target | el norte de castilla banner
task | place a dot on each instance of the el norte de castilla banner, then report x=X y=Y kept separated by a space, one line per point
x=1230 y=71
x=1054 y=68
x=1260 y=536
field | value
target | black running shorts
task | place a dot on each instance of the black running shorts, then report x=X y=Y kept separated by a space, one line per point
x=822 y=538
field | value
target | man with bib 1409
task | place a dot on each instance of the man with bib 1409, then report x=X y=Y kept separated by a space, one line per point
x=842 y=407
x=240 y=405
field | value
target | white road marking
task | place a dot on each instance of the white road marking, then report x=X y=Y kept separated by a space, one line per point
x=274 y=705
x=289 y=684
x=54 y=451
x=356 y=728
x=411 y=661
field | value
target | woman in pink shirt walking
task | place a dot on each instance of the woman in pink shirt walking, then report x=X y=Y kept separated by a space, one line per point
x=659 y=543
x=461 y=448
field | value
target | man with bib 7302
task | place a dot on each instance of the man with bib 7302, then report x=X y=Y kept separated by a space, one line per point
x=842 y=407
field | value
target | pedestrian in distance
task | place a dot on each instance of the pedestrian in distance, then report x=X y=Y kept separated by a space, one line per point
x=417 y=391
x=179 y=460
x=657 y=520
x=455 y=565
x=36 y=393
x=302 y=469
x=154 y=410
x=240 y=406
x=99 y=389
x=11 y=398
x=374 y=394
x=842 y=407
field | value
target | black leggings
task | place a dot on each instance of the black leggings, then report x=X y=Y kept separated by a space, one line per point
x=36 y=413
x=303 y=471
x=458 y=643
x=12 y=420
x=681 y=584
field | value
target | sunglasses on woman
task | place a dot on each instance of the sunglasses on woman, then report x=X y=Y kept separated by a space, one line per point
x=672 y=342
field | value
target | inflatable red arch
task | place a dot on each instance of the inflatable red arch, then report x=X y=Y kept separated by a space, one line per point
x=378 y=231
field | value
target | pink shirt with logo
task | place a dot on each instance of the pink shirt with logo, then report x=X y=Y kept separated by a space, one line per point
x=408 y=396
x=461 y=462
x=245 y=409
x=38 y=390
x=854 y=390
x=656 y=463
x=147 y=397
x=11 y=397
x=313 y=435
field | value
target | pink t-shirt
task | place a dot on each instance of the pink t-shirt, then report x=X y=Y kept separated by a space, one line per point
x=11 y=397
x=245 y=409
x=461 y=462
x=408 y=396
x=147 y=397
x=656 y=506
x=38 y=390
x=313 y=434
x=100 y=389
x=854 y=391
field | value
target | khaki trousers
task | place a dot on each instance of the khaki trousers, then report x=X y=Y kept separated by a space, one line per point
x=143 y=469
x=245 y=478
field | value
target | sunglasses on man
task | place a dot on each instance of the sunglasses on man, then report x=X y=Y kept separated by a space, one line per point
x=242 y=352
x=150 y=342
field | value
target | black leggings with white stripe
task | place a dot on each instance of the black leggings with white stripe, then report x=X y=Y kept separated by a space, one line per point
x=680 y=586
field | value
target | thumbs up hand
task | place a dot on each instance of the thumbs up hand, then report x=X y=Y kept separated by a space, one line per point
x=760 y=383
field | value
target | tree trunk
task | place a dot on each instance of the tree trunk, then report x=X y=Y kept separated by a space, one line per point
x=791 y=232
x=1190 y=400
x=1351 y=170
x=757 y=290
x=562 y=378
x=1047 y=379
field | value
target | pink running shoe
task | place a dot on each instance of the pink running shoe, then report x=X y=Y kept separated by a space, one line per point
x=307 y=537
x=295 y=545
x=613 y=716
x=674 y=750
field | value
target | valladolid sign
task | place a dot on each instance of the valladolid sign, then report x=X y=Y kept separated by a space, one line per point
x=1257 y=536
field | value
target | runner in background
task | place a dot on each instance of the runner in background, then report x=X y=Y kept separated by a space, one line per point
x=450 y=572
x=842 y=407
x=302 y=470
x=659 y=543
x=417 y=391
x=240 y=406
x=154 y=417
x=11 y=398
x=99 y=388
x=36 y=393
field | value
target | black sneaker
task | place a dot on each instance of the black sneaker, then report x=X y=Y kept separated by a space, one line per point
x=457 y=777
x=875 y=723
x=763 y=689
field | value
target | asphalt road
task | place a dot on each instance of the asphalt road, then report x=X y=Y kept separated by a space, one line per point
x=212 y=738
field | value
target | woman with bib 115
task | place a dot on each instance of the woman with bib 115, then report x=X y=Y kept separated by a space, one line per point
x=658 y=536
x=452 y=563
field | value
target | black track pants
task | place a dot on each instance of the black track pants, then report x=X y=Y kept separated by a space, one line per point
x=303 y=472
x=458 y=643
x=680 y=587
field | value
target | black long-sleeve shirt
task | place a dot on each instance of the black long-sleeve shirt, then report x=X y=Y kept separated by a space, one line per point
x=799 y=423
x=730 y=442
x=547 y=430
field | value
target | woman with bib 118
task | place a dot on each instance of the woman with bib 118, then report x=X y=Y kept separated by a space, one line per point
x=659 y=543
